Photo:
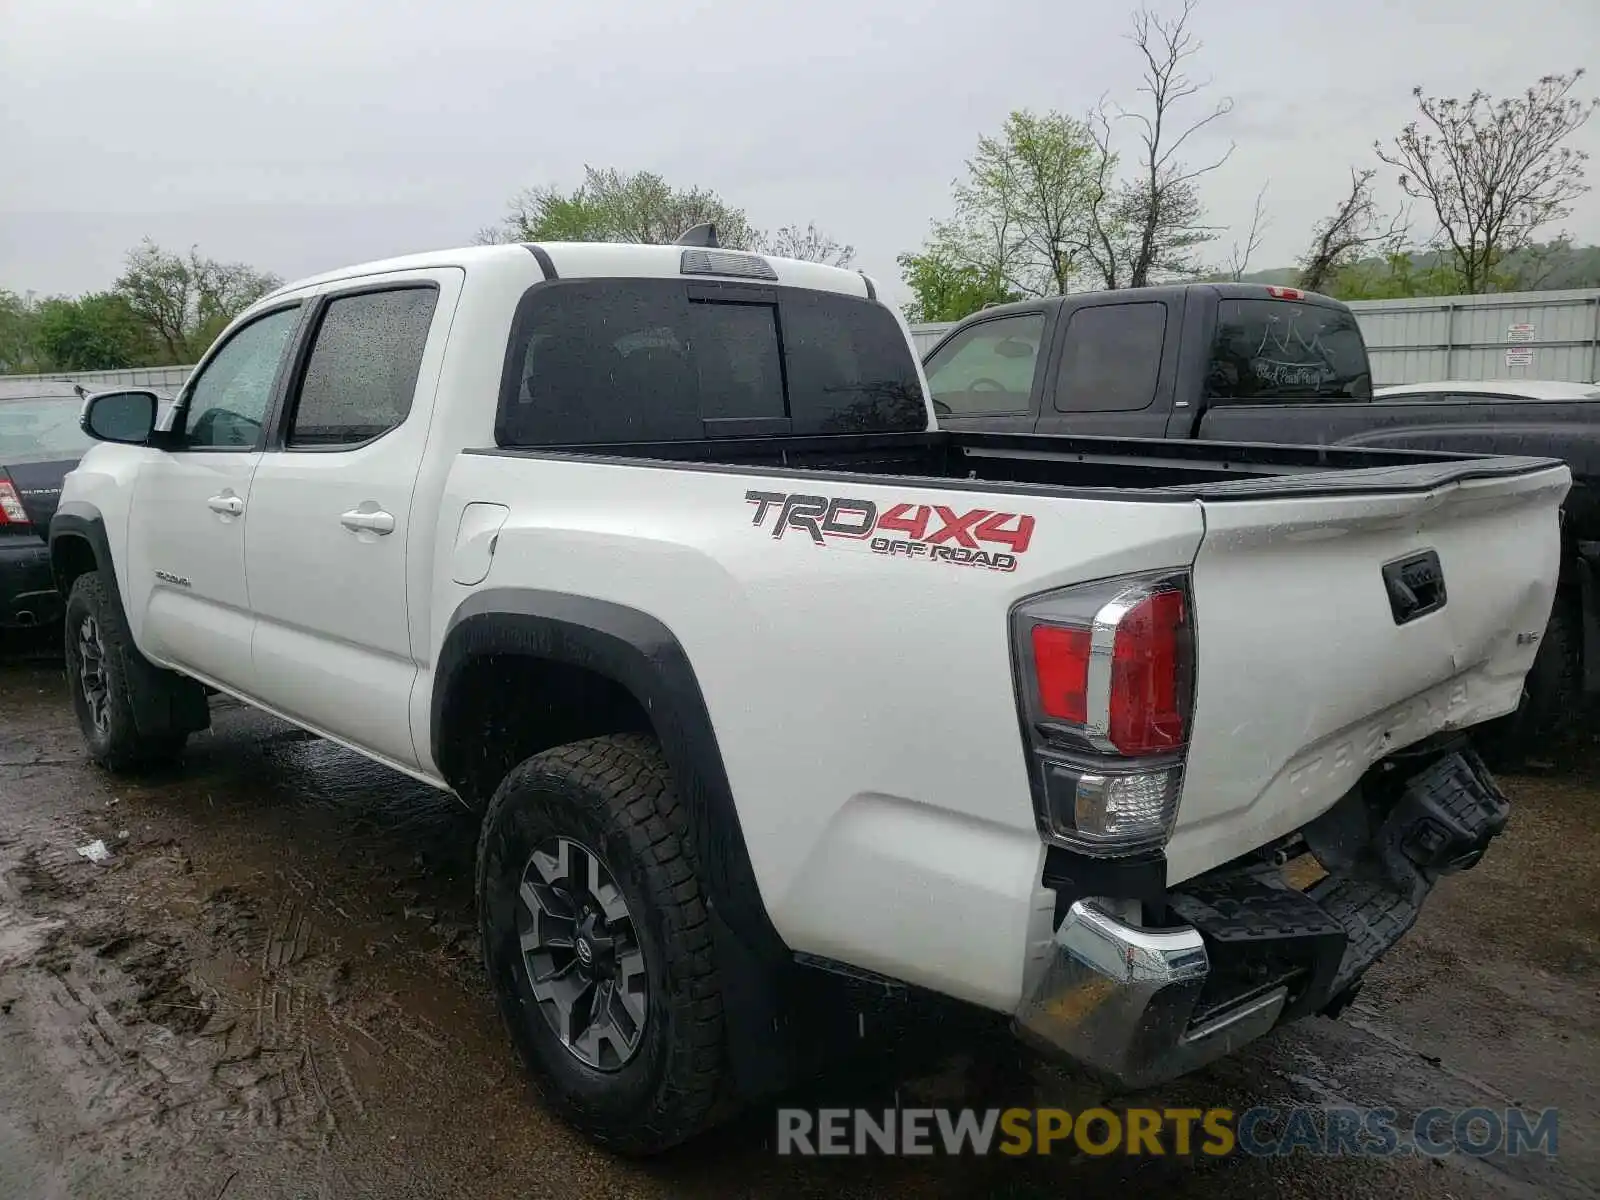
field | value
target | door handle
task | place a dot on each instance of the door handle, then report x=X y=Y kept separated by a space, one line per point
x=375 y=521
x=226 y=504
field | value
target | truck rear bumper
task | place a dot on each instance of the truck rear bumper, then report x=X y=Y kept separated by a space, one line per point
x=28 y=593
x=1121 y=1001
x=1247 y=950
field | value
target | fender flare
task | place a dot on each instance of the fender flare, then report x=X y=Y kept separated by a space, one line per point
x=78 y=520
x=638 y=652
x=164 y=702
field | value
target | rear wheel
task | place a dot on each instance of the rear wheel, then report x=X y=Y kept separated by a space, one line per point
x=597 y=942
x=100 y=655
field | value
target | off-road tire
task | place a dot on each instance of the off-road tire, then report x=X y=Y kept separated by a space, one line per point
x=116 y=742
x=616 y=795
x=1552 y=697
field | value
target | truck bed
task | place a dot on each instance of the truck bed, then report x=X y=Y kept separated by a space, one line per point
x=1153 y=468
x=784 y=568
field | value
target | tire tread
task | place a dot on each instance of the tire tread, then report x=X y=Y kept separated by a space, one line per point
x=628 y=777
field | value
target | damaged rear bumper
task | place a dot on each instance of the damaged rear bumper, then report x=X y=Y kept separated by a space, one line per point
x=1243 y=950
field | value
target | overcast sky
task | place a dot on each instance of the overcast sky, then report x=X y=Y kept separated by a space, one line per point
x=300 y=135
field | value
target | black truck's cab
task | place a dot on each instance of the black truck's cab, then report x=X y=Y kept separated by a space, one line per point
x=1145 y=363
x=1248 y=363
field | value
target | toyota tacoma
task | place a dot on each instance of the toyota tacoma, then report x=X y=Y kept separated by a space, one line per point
x=769 y=689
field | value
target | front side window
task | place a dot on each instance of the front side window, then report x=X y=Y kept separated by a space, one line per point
x=362 y=371
x=228 y=401
x=654 y=360
x=986 y=368
x=1268 y=351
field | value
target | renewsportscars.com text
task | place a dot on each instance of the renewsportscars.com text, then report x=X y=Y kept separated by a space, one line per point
x=1261 y=1132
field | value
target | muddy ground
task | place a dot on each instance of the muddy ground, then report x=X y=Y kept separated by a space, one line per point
x=271 y=989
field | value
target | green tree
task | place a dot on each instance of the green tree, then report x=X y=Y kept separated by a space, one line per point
x=640 y=206
x=619 y=206
x=1492 y=173
x=1022 y=210
x=95 y=332
x=1396 y=274
x=183 y=302
x=19 y=334
x=945 y=290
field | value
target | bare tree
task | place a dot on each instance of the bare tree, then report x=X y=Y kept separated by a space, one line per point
x=1162 y=204
x=1239 y=259
x=1354 y=227
x=1493 y=172
x=184 y=302
x=1109 y=232
x=790 y=241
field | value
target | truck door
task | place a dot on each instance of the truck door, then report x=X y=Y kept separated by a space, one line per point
x=986 y=375
x=184 y=585
x=1112 y=370
x=331 y=511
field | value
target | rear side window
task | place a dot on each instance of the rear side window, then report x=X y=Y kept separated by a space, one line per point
x=986 y=368
x=1111 y=358
x=646 y=360
x=362 y=371
x=1266 y=351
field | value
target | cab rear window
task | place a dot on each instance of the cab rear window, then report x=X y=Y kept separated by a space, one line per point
x=1271 y=350
x=648 y=360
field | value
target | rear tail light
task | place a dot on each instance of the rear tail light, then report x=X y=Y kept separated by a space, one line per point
x=11 y=510
x=1286 y=293
x=1106 y=676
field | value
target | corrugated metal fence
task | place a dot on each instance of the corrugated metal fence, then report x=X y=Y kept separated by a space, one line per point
x=162 y=379
x=1514 y=335
x=1511 y=335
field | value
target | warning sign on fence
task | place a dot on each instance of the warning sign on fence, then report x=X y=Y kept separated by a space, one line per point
x=1521 y=332
x=1519 y=356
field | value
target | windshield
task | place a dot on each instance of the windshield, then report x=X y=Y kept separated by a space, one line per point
x=41 y=430
x=1270 y=350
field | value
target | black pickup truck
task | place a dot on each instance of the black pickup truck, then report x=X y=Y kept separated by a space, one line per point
x=1249 y=363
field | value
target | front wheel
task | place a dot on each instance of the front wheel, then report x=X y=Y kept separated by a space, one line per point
x=99 y=655
x=598 y=945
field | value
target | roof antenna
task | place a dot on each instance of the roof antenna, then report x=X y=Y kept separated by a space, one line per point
x=703 y=234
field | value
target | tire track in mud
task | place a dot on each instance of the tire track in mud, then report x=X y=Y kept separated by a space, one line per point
x=142 y=1017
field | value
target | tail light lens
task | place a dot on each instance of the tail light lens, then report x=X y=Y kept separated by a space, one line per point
x=1145 y=715
x=11 y=510
x=1106 y=677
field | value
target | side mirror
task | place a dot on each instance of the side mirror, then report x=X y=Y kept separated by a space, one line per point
x=126 y=417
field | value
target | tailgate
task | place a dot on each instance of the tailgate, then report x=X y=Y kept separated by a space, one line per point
x=1311 y=665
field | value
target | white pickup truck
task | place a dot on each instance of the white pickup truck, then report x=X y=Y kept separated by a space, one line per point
x=768 y=686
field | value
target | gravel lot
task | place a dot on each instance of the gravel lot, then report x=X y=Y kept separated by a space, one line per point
x=271 y=989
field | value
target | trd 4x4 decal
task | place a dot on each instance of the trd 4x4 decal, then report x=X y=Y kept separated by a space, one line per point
x=927 y=531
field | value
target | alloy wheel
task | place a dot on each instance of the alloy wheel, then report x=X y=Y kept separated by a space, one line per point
x=581 y=951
